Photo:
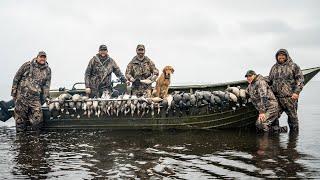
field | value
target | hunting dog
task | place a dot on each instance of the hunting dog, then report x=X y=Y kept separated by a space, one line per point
x=163 y=82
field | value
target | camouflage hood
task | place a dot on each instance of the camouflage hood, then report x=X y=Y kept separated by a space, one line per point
x=288 y=61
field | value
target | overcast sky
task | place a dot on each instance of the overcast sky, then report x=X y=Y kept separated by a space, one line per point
x=205 y=41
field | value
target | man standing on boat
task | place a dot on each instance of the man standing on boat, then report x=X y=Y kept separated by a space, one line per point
x=287 y=81
x=99 y=71
x=141 y=68
x=265 y=102
x=30 y=88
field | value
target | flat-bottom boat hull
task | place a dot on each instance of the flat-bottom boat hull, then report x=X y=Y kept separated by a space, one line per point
x=241 y=117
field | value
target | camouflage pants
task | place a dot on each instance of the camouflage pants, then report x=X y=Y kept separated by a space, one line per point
x=290 y=107
x=28 y=113
x=272 y=119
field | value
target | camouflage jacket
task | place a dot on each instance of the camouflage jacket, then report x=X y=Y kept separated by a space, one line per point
x=286 y=78
x=32 y=81
x=141 y=69
x=261 y=94
x=98 y=73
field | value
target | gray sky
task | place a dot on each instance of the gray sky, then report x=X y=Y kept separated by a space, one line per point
x=206 y=41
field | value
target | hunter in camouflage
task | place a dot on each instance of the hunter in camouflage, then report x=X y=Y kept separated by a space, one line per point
x=286 y=80
x=265 y=102
x=30 y=88
x=99 y=71
x=141 y=68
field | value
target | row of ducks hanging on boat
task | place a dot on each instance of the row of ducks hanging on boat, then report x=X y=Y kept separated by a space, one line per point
x=77 y=105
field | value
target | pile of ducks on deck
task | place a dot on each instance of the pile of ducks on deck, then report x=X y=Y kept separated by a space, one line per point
x=125 y=105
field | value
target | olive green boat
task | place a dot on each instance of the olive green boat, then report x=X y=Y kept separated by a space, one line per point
x=195 y=118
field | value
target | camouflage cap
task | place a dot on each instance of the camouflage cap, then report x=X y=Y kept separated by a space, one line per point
x=140 y=46
x=250 y=73
x=42 y=53
x=282 y=51
x=103 y=48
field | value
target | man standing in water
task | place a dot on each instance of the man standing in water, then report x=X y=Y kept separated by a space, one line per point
x=287 y=81
x=265 y=102
x=141 y=68
x=99 y=71
x=30 y=87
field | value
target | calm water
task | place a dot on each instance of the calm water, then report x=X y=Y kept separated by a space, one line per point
x=159 y=155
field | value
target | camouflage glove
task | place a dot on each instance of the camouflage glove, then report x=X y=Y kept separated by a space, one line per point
x=153 y=78
x=131 y=79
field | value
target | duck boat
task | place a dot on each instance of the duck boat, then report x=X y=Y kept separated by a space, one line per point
x=231 y=116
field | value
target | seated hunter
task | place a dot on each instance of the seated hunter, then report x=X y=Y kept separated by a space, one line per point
x=99 y=71
x=265 y=102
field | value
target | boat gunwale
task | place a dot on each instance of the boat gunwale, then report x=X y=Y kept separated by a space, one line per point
x=199 y=86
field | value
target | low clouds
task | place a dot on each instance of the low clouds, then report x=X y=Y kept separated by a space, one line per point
x=283 y=34
x=266 y=26
x=303 y=38
x=206 y=41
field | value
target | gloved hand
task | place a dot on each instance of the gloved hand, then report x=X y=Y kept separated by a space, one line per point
x=262 y=117
x=295 y=96
x=131 y=79
x=47 y=101
x=88 y=91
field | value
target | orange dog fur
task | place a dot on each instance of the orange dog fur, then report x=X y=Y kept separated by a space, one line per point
x=163 y=82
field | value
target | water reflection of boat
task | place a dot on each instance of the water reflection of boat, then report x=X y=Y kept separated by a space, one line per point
x=199 y=118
